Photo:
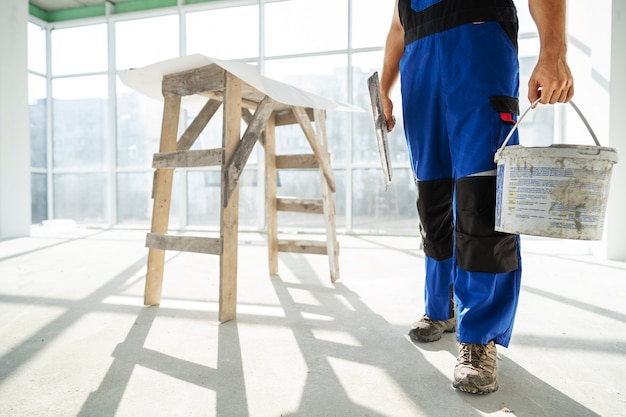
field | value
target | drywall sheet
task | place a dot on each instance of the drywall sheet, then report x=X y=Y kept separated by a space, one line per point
x=147 y=80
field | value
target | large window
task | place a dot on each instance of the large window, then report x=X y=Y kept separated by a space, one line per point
x=79 y=50
x=213 y=33
x=93 y=139
x=305 y=26
x=140 y=42
x=80 y=124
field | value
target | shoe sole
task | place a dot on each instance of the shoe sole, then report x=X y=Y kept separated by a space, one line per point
x=426 y=339
x=474 y=389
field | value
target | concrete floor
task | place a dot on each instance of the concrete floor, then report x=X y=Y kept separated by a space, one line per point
x=76 y=340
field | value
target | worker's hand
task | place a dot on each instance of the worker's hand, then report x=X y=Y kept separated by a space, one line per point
x=551 y=82
x=388 y=112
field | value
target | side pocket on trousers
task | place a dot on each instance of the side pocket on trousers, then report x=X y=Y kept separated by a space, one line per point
x=505 y=104
x=507 y=109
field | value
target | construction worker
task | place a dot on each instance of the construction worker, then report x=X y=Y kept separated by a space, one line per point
x=458 y=66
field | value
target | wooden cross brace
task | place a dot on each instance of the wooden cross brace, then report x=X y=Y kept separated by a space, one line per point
x=245 y=146
x=309 y=132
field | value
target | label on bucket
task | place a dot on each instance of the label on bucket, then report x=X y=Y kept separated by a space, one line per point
x=563 y=198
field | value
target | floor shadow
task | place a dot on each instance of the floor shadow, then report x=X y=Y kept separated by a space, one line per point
x=60 y=241
x=75 y=310
x=416 y=252
x=592 y=308
x=226 y=380
x=342 y=379
x=106 y=399
x=403 y=362
x=380 y=347
x=524 y=395
x=521 y=393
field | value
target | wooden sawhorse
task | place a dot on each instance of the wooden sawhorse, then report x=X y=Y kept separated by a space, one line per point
x=223 y=89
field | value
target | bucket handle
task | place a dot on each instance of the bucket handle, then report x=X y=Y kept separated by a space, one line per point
x=532 y=106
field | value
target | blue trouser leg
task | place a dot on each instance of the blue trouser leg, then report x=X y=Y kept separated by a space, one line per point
x=454 y=84
x=437 y=288
x=486 y=305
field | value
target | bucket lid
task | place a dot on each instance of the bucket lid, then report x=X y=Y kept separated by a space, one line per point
x=559 y=151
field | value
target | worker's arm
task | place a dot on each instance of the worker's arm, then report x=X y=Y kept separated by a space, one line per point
x=394 y=49
x=551 y=79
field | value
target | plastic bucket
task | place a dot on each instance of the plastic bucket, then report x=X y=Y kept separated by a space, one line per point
x=557 y=191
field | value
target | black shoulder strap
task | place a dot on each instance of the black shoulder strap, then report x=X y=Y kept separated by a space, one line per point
x=451 y=13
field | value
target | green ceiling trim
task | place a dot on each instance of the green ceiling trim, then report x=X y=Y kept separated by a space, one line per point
x=67 y=14
x=100 y=10
x=139 y=5
x=77 y=13
x=198 y=1
x=37 y=12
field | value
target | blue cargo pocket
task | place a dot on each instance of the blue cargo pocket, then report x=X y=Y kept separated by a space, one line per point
x=419 y=5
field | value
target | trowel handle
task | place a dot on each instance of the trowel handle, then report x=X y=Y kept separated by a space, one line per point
x=532 y=106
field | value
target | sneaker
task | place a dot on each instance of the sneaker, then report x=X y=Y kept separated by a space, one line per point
x=429 y=330
x=475 y=370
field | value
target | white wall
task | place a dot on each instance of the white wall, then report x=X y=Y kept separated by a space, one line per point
x=616 y=234
x=598 y=61
x=15 y=210
x=15 y=207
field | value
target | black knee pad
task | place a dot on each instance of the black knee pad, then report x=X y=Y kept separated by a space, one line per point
x=479 y=248
x=434 y=205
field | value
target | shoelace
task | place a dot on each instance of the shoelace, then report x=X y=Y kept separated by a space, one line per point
x=476 y=356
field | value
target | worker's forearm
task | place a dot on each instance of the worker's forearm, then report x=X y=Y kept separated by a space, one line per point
x=394 y=49
x=549 y=16
x=551 y=81
x=391 y=69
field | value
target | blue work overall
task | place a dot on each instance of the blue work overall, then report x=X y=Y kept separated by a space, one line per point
x=460 y=86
